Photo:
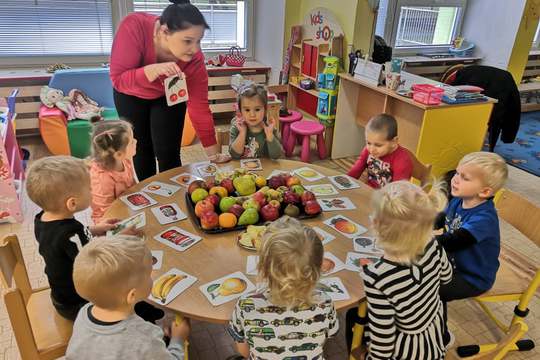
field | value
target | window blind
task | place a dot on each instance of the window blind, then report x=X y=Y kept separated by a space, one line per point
x=55 y=27
x=226 y=19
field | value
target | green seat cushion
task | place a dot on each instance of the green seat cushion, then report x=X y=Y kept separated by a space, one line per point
x=110 y=114
x=79 y=136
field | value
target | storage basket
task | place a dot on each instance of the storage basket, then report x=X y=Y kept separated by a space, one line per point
x=235 y=57
x=427 y=94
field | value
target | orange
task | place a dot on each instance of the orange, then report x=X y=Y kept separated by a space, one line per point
x=227 y=220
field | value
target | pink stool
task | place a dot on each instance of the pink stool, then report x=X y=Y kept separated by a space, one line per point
x=305 y=129
x=286 y=122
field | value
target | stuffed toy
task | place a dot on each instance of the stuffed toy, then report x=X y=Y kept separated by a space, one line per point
x=76 y=106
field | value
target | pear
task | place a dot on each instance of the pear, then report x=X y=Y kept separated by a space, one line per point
x=249 y=217
x=244 y=185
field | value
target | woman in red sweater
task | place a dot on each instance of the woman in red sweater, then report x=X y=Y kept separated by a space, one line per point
x=146 y=50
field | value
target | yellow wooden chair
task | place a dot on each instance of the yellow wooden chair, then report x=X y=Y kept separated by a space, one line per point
x=40 y=332
x=509 y=285
x=420 y=172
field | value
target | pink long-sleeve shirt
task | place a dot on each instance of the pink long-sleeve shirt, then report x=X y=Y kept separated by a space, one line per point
x=133 y=49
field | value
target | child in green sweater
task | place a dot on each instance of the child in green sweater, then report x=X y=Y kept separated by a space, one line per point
x=252 y=135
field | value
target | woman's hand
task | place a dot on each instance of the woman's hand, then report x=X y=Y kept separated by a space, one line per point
x=269 y=129
x=214 y=155
x=154 y=71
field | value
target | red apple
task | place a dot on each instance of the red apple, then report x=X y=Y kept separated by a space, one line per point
x=210 y=182
x=269 y=212
x=203 y=206
x=307 y=196
x=260 y=198
x=214 y=199
x=209 y=220
x=276 y=181
x=291 y=197
x=195 y=185
x=227 y=183
x=236 y=209
x=312 y=207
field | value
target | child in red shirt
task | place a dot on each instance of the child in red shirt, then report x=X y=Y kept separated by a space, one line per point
x=386 y=161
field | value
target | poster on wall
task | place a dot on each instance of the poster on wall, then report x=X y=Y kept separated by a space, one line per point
x=320 y=24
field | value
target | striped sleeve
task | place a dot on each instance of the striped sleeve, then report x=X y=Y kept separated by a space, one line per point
x=446 y=267
x=381 y=315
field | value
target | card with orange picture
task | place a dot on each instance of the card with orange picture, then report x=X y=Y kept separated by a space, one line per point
x=356 y=261
x=345 y=226
x=331 y=264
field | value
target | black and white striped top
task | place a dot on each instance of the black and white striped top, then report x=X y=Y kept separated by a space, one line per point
x=405 y=311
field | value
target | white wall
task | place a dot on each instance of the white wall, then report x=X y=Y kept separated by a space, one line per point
x=268 y=23
x=492 y=26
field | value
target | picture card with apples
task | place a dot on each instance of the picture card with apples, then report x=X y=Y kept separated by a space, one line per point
x=186 y=280
x=227 y=288
x=137 y=220
x=138 y=200
x=331 y=264
x=336 y=204
x=157 y=259
x=344 y=182
x=185 y=179
x=251 y=264
x=278 y=172
x=309 y=174
x=334 y=288
x=355 y=261
x=175 y=90
x=168 y=213
x=323 y=235
x=177 y=238
x=345 y=226
x=322 y=189
x=366 y=244
x=161 y=188
x=251 y=164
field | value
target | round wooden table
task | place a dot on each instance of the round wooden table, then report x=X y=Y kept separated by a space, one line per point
x=218 y=255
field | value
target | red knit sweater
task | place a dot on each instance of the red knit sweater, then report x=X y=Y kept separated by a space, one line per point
x=133 y=48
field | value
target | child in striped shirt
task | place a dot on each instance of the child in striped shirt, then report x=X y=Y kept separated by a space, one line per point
x=405 y=312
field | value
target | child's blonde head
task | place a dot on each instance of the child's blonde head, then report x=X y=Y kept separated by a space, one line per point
x=108 y=138
x=52 y=180
x=492 y=167
x=290 y=261
x=106 y=269
x=252 y=91
x=403 y=217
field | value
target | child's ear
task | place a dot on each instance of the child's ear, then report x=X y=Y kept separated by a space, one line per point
x=395 y=140
x=71 y=204
x=131 y=297
x=486 y=193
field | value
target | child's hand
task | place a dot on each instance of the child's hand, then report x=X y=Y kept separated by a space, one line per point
x=103 y=226
x=269 y=129
x=219 y=158
x=180 y=331
x=132 y=231
x=241 y=125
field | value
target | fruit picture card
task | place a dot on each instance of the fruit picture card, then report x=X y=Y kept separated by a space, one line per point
x=168 y=213
x=345 y=226
x=322 y=189
x=160 y=188
x=251 y=264
x=206 y=169
x=331 y=264
x=177 y=238
x=323 y=235
x=336 y=204
x=227 y=288
x=366 y=244
x=333 y=287
x=137 y=220
x=355 y=261
x=185 y=179
x=251 y=164
x=157 y=259
x=176 y=90
x=169 y=285
x=344 y=182
x=309 y=174
x=138 y=200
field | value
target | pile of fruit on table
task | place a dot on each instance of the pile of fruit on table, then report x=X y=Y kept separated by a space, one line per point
x=243 y=198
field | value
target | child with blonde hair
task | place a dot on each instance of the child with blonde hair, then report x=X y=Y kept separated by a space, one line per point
x=111 y=167
x=471 y=226
x=405 y=312
x=288 y=317
x=252 y=135
x=113 y=274
x=383 y=158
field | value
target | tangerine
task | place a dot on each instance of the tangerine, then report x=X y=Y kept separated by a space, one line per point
x=227 y=220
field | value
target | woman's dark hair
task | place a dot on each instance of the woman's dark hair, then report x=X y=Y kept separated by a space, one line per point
x=182 y=15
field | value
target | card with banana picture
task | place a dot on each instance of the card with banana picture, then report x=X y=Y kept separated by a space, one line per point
x=169 y=285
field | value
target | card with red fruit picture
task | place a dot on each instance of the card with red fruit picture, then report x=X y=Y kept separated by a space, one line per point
x=169 y=285
x=344 y=182
x=168 y=213
x=355 y=261
x=331 y=264
x=251 y=164
x=323 y=235
x=177 y=238
x=157 y=259
x=176 y=90
x=336 y=204
x=345 y=226
x=138 y=200
x=334 y=288
x=367 y=245
x=161 y=188
x=185 y=179
x=322 y=189
x=227 y=288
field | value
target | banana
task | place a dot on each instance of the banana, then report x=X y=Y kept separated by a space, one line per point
x=158 y=285
x=168 y=285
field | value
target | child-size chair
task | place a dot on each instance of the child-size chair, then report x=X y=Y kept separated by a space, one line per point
x=303 y=130
x=73 y=138
x=285 y=124
x=40 y=332
x=420 y=172
x=510 y=285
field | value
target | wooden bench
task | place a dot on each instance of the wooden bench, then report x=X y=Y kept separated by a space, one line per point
x=529 y=88
x=434 y=68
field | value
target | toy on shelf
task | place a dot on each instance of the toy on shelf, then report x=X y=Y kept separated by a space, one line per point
x=327 y=101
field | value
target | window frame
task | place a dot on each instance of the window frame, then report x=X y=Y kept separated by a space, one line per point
x=392 y=23
x=119 y=9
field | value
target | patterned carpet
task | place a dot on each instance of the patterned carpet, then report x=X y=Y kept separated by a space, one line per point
x=524 y=152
